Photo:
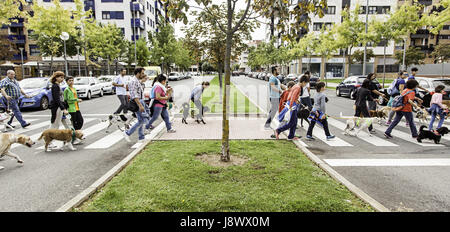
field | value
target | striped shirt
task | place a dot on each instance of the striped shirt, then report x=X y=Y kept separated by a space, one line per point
x=135 y=88
x=11 y=87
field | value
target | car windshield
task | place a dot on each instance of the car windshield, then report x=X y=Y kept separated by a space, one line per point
x=148 y=84
x=173 y=74
x=150 y=72
x=105 y=79
x=81 y=81
x=33 y=83
x=446 y=83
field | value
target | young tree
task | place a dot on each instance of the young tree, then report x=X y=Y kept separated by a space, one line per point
x=305 y=47
x=437 y=19
x=142 y=52
x=47 y=24
x=358 y=56
x=183 y=58
x=326 y=47
x=233 y=23
x=442 y=53
x=163 y=45
x=413 y=56
x=7 y=48
x=381 y=32
x=11 y=9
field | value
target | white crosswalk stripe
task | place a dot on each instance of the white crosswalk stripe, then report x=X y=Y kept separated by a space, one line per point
x=107 y=141
x=363 y=135
x=405 y=136
x=387 y=162
x=418 y=125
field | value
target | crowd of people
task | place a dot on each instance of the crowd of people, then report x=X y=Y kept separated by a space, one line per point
x=288 y=100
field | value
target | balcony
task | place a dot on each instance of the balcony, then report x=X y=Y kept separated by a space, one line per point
x=421 y=34
x=136 y=22
x=18 y=57
x=425 y=48
x=16 y=22
x=18 y=39
x=134 y=37
x=426 y=2
x=137 y=7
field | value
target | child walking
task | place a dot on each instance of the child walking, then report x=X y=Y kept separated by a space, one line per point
x=437 y=108
x=318 y=113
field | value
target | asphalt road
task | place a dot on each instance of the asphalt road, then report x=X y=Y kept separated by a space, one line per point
x=47 y=180
x=399 y=173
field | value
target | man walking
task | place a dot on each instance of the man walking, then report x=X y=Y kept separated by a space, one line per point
x=137 y=98
x=121 y=92
x=373 y=87
x=11 y=90
x=275 y=90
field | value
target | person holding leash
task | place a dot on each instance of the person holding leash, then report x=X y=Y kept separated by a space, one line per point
x=196 y=98
x=72 y=100
x=11 y=91
x=162 y=95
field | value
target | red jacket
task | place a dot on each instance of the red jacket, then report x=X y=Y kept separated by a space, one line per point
x=283 y=99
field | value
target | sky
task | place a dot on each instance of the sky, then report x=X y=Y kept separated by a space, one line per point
x=258 y=34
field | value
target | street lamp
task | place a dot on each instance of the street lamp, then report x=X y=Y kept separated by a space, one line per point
x=134 y=32
x=365 y=44
x=78 y=54
x=23 y=70
x=65 y=36
x=162 y=64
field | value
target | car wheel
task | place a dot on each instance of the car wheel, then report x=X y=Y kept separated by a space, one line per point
x=113 y=91
x=89 y=95
x=338 y=93
x=44 y=103
x=101 y=93
x=351 y=94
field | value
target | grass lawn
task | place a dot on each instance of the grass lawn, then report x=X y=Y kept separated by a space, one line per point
x=239 y=103
x=166 y=177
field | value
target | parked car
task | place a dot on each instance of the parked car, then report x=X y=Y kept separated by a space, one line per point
x=281 y=78
x=430 y=84
x=189 y=75
x=290 y=77
x=174 y=76
x=349 y=86
x=87 y=87
x=106 y=82
x=313 y=80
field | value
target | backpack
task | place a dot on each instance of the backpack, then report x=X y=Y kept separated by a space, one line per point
x=397 y=103
x=393 y=88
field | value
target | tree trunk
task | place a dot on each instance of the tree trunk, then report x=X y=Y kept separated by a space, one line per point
x=226 y=97
x=220 y=65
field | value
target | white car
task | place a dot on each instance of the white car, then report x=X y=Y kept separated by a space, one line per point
x=175 y=76
x=106 y=82
x=87 y=86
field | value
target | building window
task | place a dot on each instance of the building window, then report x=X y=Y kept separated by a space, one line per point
x=118 y=15
x=106 y=15
x=372 y=9
x=362 y=10
x=444 y=36
x=328 y=26
x=330 y=10
x=385 y=9
x=317 y=26
x=34 y=50
x=446 y=27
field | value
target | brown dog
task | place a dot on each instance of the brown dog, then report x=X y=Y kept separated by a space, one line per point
x=6 y=140
x=65 y=135
x=380 y=114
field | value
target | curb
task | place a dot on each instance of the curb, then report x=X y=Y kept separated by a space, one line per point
x=335 y=175
x=102 y=181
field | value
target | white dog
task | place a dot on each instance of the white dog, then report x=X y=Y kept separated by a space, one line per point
x=6 y=140
x=357 y=124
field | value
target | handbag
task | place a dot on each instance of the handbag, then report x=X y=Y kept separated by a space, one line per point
x=133 y=106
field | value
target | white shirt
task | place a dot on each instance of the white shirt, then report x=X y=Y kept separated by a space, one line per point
x=121 y=80
x=305 y=91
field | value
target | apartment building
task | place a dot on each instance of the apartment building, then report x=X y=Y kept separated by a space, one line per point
x=243 y=58
x=136 y=18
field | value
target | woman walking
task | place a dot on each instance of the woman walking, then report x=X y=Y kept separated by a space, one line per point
x=162 y=95
x=362 y=96
x=196 y=96
x=71 y=97
x=58 y=107
x=437 y=108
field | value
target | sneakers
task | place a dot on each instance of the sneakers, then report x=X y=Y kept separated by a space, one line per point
x=25 y=126
x=171 y=131
x=388 y=135
x=147 y=131
x=388 y=123
x=372 y=132
x=151 y=127
x=295 y=138
x=11 y=125
x=126 y=137
x=331 y=137
x=310 y=138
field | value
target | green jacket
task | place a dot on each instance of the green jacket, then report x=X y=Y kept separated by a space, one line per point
x=71 y=100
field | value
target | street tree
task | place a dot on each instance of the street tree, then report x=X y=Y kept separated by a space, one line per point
x=7 y=48
x=183 y=58
x=47 y=24
x=358 y=56
x=442 y=54
x=412 y=56
x=438 y=19
x=10 y=10
x=381 y=32
x=305 y=47
x=288 y=13
x=163 y=45
x=142 y=52
x=326 y=47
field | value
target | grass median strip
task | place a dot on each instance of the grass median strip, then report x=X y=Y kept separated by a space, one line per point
x=167 y=177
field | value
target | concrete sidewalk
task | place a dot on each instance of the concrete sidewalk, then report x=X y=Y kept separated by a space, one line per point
x=240 y=128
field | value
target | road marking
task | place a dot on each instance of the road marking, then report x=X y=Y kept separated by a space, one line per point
x=405 y=136
x=402 y=124
x=107 y=141
x=374 y=140
x=17 y=124
x=32 y=127
x=386 y=162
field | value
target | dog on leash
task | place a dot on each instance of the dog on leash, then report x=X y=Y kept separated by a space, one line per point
x=117 y=120
x=422 y=115
x=65 y=135
x=4 y=118
x=436 y=137
x=303 y=114
x=380 y=114
x=7 y=139
x=357 y=124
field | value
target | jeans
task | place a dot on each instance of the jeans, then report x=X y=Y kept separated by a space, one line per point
x=199 y=106
x=274 y=103
x=142 y=118
x=306 y=101
x=325 y=127
x=436 y=110
x=14 y=106
x=164 y=114
x=123 y=104
x=291 y=126
x=409 y=118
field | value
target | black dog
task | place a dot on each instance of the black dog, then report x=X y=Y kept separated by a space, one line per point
x=303 y=114
x=426 y=134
